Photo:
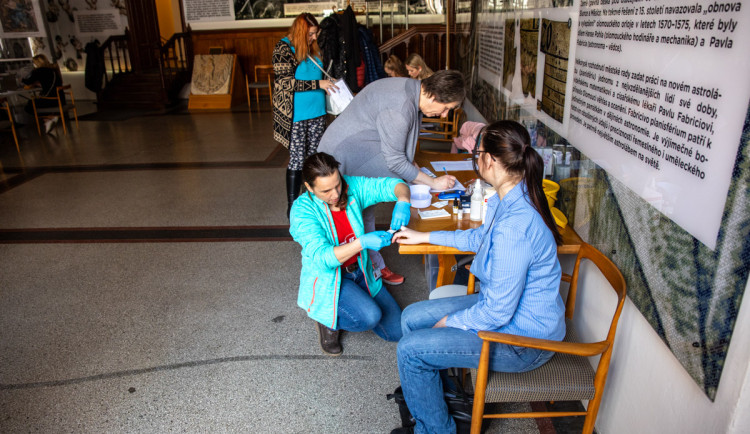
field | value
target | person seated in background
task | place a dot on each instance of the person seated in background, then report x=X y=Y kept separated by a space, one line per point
x=416 y=67
x=467 y=136
x=517 y=263
x=338 y=288
x=394 y=67
x=47 y=77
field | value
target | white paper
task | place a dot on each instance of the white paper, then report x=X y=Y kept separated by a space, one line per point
x=452 y=166
x=433 y=214
x=440 y=204
x=456 y=186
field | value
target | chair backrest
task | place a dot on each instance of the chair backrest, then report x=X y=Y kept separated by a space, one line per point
x=264 y=71
x=617 y=282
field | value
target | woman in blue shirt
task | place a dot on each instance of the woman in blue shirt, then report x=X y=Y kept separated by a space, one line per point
x=517 y=264
x=299 y=105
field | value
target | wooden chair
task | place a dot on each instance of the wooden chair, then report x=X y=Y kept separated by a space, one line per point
x=9 y=124
x=445 y=129
x=568 y=376
x=61 y=109
x=258 y=85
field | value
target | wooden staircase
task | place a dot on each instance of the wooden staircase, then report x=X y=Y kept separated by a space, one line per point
x=156 y=88
x=134 y=90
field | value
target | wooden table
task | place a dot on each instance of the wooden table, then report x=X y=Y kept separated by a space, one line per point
x=571 y=241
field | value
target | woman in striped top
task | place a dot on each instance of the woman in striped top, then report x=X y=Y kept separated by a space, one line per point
x=517 y=265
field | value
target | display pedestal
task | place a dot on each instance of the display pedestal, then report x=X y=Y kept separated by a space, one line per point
x=219 y=101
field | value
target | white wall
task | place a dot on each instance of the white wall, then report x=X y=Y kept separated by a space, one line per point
x=648 y=390
x=76 y=80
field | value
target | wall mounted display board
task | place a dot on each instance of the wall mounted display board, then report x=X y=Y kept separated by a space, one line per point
x=216 y=83
x=20 y=19
x=638 y=108
x=74 y=23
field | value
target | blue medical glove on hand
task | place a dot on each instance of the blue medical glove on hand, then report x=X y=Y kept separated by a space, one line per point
x=401 y=215
x=375 y=240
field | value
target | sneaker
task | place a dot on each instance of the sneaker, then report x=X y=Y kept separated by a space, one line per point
x=49 y=124
x=390 y=277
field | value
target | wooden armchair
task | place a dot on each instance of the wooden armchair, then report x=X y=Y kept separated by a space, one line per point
x=568 y=376
x=444 y=129
x=60 y=110
x=9 y=124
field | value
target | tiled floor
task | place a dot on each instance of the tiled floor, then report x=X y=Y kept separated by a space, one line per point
x=147 y=284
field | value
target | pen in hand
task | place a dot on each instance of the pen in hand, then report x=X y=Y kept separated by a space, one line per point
x=446 y=172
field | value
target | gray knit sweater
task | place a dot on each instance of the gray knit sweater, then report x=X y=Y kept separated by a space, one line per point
x=377 y=133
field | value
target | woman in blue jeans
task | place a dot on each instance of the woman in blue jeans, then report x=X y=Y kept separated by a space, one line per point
x=337 y=286
x=517 y=264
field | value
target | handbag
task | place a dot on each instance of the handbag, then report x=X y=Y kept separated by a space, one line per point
x=337 y=101
x=460 y=405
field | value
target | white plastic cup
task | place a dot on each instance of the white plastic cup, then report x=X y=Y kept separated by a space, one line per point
x=420 y=195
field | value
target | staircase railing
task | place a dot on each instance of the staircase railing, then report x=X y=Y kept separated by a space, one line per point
x=116 y=56
x=423 y=33
x=176 y=59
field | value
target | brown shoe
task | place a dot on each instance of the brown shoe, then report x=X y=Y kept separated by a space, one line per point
x=329 y=340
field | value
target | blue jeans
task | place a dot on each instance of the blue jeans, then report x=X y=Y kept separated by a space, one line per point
x=358 y=311
x=423 y=351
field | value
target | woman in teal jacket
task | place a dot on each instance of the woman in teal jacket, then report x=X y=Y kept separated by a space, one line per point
x=337 y=286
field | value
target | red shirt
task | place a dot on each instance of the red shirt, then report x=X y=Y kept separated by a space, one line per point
x=345 y=233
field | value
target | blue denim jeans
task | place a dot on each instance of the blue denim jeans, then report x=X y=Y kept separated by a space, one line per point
x=358 y=311
x=423 y=351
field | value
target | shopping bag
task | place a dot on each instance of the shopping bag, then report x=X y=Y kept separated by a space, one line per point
x=337 y=100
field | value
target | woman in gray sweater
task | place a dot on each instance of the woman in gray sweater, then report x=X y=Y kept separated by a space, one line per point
x=377 y=134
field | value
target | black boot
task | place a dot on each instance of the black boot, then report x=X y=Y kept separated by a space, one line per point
x=293 y=184
x=329 y=340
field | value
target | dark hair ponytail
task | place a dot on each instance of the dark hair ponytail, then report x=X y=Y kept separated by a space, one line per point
x=509 y=142
x=533 y=176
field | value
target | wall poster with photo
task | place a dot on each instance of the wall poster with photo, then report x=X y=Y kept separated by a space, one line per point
x=651 y=156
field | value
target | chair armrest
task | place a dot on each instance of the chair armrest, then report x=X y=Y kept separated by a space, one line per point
x=575 y=348
x=435 y=121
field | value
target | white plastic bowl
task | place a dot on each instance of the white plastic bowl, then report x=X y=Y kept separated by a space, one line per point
x=420 y=196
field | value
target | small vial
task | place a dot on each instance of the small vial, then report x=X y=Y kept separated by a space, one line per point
x=460 y=211
x=455 y=206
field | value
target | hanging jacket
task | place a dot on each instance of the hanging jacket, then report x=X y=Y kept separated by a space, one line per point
x=373 y=66
x=94 y=74
x=330 y=47
x=311 y=225
x=349 y=39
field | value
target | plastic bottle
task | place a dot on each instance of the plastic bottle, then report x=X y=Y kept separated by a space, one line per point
x=487 y=195
x=476 y=202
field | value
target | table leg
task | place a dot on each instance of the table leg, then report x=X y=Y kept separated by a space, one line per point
x=445 y=275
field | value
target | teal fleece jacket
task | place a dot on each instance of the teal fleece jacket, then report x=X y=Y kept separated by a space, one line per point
x=311 y=225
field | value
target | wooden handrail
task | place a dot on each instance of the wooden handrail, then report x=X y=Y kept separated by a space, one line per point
x=175 y=57
x=115 y=48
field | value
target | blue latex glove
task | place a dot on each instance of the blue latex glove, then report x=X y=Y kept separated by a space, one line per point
x=375 y=240
x=401 y=215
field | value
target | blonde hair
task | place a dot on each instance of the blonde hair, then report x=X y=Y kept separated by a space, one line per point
x=396 y=65
x=415 y=61
x=41 y=61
